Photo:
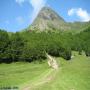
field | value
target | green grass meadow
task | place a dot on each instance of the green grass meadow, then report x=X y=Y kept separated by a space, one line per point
x=71 y=75
x=17 y=74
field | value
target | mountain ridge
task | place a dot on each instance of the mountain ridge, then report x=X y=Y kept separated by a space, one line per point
x=48 y=19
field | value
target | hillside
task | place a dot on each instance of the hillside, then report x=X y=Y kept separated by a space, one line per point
x=71 y=75
x=30 y=46
x=48 y=19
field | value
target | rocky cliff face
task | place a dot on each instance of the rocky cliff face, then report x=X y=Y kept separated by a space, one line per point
x=48 y=19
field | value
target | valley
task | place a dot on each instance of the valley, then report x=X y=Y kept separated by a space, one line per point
x=71 y=75
x=49 y=54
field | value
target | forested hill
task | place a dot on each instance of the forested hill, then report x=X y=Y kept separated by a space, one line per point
x=30 y=46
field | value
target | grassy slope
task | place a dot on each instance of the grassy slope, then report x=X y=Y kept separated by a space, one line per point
x=16 y=74
x=73 y=75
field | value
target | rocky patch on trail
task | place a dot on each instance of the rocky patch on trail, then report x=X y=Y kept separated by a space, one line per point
x=52 y=62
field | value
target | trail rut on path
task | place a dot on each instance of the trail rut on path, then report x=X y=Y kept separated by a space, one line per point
x=52 y=62
x=46 y=78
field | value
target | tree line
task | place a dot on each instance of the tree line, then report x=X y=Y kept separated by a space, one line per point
x=29 y=46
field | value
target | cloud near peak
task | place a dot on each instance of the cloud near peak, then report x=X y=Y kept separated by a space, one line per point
x=20 y=1
x=79 y=12
x=36 y=5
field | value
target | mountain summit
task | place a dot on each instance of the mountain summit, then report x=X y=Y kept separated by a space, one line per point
x=48 y=19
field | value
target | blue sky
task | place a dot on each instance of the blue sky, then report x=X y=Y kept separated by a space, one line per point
x=16 y=15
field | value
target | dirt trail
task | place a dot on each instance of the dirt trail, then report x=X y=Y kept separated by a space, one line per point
x=42 y=80
x=52 y=62
x=47 y=77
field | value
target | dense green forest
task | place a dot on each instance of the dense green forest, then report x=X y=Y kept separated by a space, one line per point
x=30 y=46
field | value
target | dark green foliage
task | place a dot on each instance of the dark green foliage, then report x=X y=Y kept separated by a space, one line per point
x=4 y=41
x=85 y=36
x=31 y=54
x=11 y=48
x=16 y=46
x=30 y=45
x=54 y=44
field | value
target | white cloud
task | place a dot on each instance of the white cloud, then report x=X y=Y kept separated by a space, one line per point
x=79 y=12
x=71 y=12
x=37 y=5
x=20 y=20
x=20 y=1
